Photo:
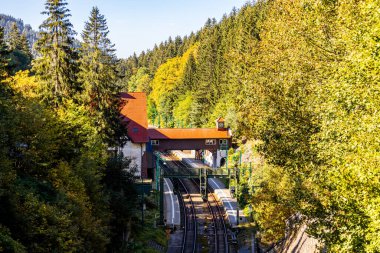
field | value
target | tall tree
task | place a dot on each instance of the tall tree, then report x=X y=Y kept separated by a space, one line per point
x=206 y=90
x=3 y=54
x=19 y=52
x=55 y=66
x=98 y=72
x=14 y=37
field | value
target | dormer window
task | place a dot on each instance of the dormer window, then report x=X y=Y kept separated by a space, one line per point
x=220 y=123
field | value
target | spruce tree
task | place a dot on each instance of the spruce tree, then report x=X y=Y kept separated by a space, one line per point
x=55 y=66
x=19 y=52
x=24 y=46
x=14 y=38
x=3 y=55
x=189 y=75
x=206 y=91
x=98 y=74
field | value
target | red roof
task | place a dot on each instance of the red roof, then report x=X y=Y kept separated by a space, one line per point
x=134 y=114
x=188 y=133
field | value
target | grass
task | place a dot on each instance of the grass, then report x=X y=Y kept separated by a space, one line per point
x=148 y=234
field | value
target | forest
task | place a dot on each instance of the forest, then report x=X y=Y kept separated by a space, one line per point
x=61 y=189
x=299 y=79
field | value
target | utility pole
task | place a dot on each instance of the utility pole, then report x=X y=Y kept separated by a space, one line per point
x=237 y=195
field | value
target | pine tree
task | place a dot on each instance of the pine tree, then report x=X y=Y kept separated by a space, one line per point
x=206 y=90
x=189 y=75
x=98 y=72
x=19 y=52
x=14 y=37
x=24 y=46
x=55 y=66
x=3 y=55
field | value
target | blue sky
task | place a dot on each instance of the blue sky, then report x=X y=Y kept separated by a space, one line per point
x=134 y=25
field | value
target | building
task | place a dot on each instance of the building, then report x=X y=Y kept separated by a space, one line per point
x=134 y=116
x=208 y=144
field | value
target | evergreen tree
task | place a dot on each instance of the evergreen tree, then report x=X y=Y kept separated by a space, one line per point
x=14 y=38
x=189 y=75
x=3 y=54
x=24 y=46
x=98 y=73
x=55 y=66
x=19 y=52
x=206 y=91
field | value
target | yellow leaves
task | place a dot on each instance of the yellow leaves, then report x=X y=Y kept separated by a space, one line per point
x=168 y=77
x=24 y=83
x=182 y=111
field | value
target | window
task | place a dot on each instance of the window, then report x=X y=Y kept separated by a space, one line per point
x=135 y=130
x=210 y=141
x=155 y=142
x=223 y=142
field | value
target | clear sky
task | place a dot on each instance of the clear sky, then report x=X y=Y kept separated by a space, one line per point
x=134 y=25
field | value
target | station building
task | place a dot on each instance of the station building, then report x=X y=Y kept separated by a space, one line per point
x=207 y=144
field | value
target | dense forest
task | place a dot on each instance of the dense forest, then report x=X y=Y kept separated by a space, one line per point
x=61 y=190
x=299 y=79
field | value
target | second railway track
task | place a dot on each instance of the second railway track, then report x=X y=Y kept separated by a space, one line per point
x=203 y=222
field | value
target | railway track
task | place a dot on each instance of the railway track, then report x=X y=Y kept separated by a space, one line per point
x=207 y=215
x=189 y=239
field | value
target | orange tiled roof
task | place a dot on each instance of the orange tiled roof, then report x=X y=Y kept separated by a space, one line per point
x=134 y=114
x=188 y=133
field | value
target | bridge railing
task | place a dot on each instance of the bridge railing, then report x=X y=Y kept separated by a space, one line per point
x=194 y=172
x=218 y=172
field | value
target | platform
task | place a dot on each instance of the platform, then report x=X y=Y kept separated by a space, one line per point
x=172 y=213
x=230 y=204
x=221 y=192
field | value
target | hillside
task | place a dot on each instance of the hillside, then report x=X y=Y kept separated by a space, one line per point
x=301 y=80
x=296 y=81
x=6 y=22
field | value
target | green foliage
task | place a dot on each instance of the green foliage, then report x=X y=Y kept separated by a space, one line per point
x=98 y=77
x=182 y=111
x=299 y=77
x=166 y=86
x=140 y=82
x=7 y=21
x=55 y=188
x=7 y=243
x=302 y=79
x=3 y=55
x=56 y=65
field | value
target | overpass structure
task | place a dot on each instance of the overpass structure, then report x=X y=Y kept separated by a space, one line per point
x=146 y=145
x=207 y=144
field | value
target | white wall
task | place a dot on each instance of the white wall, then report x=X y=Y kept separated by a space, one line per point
x=219 y=155
x=213 y=162
x=208 y=158
x=134 y=151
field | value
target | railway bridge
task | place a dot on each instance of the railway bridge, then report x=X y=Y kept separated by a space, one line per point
x=149 y=146
x=207 y=144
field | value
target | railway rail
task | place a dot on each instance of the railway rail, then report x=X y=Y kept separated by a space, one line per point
x=189 y=240
x=213 y=212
